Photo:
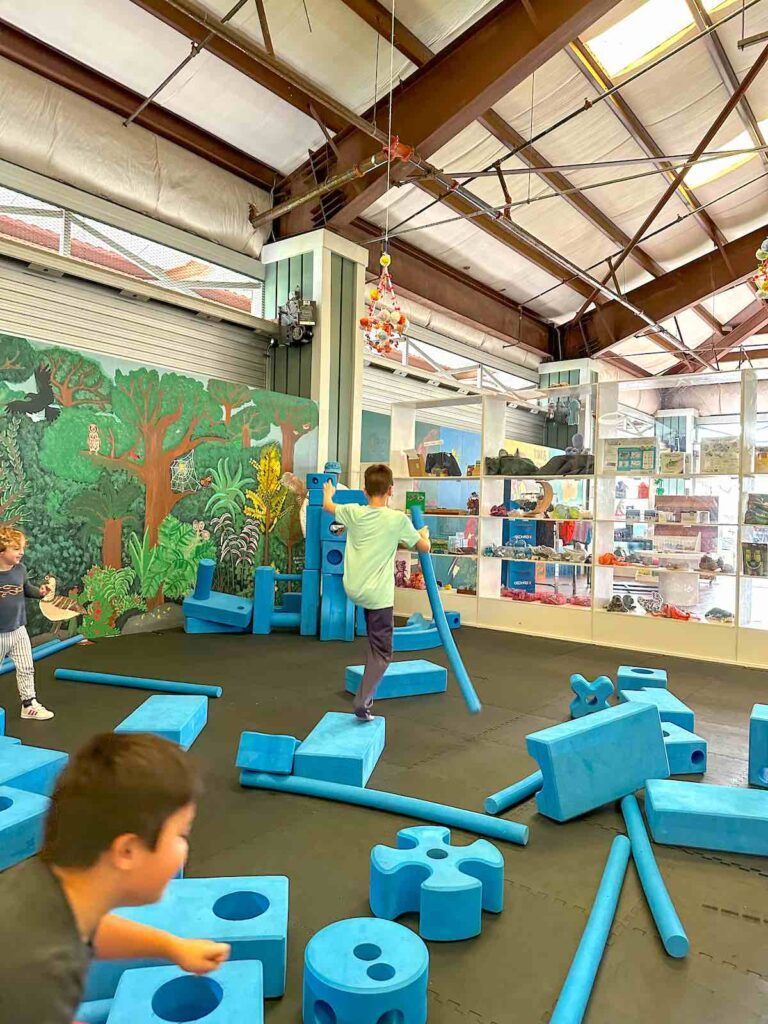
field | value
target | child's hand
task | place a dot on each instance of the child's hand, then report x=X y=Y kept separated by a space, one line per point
x=44 y=590
x=328 y=490
x=424 y=531
x=199 y=956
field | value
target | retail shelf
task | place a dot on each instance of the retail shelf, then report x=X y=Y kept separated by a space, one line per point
x=656 y=569
x=644 y=522
x=667 y=476
x=534 y=519
x=536 y=561
x=445 y=515
x=452 y=554
x=539 y=604
x=640 y=613
x=537 y=476
x=437 y=479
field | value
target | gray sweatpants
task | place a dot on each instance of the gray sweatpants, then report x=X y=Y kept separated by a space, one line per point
x=16 y=646
x=379 y=623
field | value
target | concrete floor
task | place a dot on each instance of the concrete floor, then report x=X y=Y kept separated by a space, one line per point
x=436 y=750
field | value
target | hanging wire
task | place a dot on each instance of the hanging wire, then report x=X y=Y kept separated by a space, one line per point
x=389 y=122
x=376 y=82
x=530 y=131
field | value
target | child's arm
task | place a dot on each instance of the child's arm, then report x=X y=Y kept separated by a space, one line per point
x=30 y=590
x=328 y=492
x=423 y=544
x=119 y=939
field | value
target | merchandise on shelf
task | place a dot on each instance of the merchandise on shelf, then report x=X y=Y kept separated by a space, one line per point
x=672 y=463
x=757 y=510
x=418 y=498
x=754 y=559
x=720 y=456
x=630 y=454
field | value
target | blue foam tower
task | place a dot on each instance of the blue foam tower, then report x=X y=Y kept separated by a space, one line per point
x=22 y=816
x=32 y=769
x=340 y=749
x=590 y=697
x=591 y=761
x=265 y=752
x=758 y=746
x=402 y=679
x=178 y=719
x=686 y=752
x=671 y=709
x=707 y=817
x=630 y=677
x=448 y=886
x=365 y=971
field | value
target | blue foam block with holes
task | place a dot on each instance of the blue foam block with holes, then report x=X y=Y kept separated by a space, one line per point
x=333 y=558
x=266 y=752
x=758 y=745
x=707 y=817
x=590 y=696
x=671 y=708
x=402 y=679
x=250 y=913
x=22 y=816
x=231 y=995
x=195 y=625
x=32 y=769
x=591 y=761
x=448 y=886
x=686 y=752
x=175 y=718
x=631 y=677
x=224 y=608
x=340 y=748
x=94 y=1012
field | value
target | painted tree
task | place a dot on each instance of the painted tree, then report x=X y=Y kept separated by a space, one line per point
x=76 y=380
x=230 y=395
x=17 y=359
x=106 y=509
x=251 y=423
x=267 y=502
x=288 y=530
x=65 y=445
x=294 y=416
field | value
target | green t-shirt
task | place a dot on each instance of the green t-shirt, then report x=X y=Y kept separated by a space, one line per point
x=373 y=536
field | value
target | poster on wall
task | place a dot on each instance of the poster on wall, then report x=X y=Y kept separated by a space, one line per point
x=123 y=477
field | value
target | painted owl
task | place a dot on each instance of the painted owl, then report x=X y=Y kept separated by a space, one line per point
x=94 y=441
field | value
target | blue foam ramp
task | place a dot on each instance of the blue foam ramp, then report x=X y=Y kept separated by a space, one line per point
x=94 y=1012
x=250 y=913
x=686 y=752
x=591 y=761
x=231 y=995
x=32 y=769
x=337 y=613
x=195 y=625
x=758 y=745
x=632 y=677
x=402 y=679
x=671 y=708
x=22 y=816
x=340 y=749
x=707 y=817
x=179 y=719
x=266 y=752
x=232 y=611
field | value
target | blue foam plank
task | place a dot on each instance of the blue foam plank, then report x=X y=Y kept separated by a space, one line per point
x=402 y=679
x=195 y=625
x=686 y=752
x=179 y=719
x=250 y=913
x=313 y=529
x=631 y=677
x=266 y=752
x=758 y=745
x=22 y=816
x=225 y=608
x=231 y=995
x=591 y=761
x=340 y=748
x=310 y=600
x=32 y=769
x=707 y=817
x=671 y=708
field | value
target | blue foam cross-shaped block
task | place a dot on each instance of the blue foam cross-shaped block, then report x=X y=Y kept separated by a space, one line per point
x=224 y=608
x=708 y=817
x=22 y=816
x=671 y=708
x=758 y=745
x=179 y=719
x=402 y=679
x=340 y=748
x=686 y=752
x=590 y=697
x=632 y=677
x=448 y=886
x=32 y=769
x=266 y=752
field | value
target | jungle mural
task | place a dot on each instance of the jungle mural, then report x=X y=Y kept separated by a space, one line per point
x=124 y=477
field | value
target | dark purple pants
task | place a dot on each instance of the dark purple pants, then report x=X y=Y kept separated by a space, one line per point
x=379 y=623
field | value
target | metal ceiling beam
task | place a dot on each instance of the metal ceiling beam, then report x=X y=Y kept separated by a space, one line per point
x=57 y=67
x=631 y=369
x=742 y=327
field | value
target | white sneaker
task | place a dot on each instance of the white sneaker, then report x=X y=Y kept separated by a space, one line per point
x=37 y=711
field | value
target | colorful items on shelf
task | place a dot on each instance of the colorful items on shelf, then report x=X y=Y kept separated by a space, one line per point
x=761 y=275
x=578 y=600
x=757 y=510
x=518 y=550
x=384 y=323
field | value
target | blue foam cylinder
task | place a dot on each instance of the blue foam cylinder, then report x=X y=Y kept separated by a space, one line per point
x=44 y=650
x=514 y=794
x=438 y=613
x=577 y=989
x=668 y=923
x=395 y=803
x=137 y=682
x=204 y=582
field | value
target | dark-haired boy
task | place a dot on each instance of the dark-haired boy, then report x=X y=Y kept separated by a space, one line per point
x=115 y=835
x=374 y=533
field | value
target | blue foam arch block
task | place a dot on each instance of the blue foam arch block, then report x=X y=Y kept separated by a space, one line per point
x=178 y=719
x=448 y=886
x=337 y=613
x=76 y=675
x=340 y=749
x=591 y=761
x=402 y=679
x=22 y=816
x=686 y=752
x=266 y=752
x=590 y=696
x=195 y=625
x=632 y=677
x=217 y=607
x=32 y=769
x=758 y=745
x=707 y=817
x=232 y=995
x=671 y=708
x=365 y=971
x=192 y=908
x=94 y=1012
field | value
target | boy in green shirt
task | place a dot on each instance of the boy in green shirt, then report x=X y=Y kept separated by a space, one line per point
x=374 y=533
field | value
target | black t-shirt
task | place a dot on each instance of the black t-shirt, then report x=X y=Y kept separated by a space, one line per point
x=43 y=960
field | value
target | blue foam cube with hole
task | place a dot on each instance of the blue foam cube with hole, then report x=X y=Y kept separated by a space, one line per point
x=341 y=748
x=402 y=679
x=224 y=608
x=686 y=752
x=671 y=708
x=179 y=719
x=32 y=769
x=22 y=817
x=266 y=752
x=332 y=558
x=707 y=817
x=631 y=677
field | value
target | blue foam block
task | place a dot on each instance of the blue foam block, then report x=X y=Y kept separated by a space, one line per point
x=94 y=1012
x=671 y=709
x=310 y=601
x=340 y=748
x=758 y=745
x=448 y=886
x=708 y=817
x=263 y=599
x=8 y=741
x=591 y=761
x=225 y=608
x=590 y=696
x=312 y=538
x=333 y=558
x=21 y=824
x=265 y=752
x=686 y=752
x=195 y=625
x=337 y=613
x=291 y=602
x=630 y=677
x=32 y=769
x=316 y=482
x=350 y=496
x=402 y=679
x=250 y=913
x=179 y=719
x=361 y=626
x=232 y=995
x=2 y=721
x=365 y=971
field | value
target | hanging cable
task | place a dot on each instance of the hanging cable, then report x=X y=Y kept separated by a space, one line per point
x=389 y=124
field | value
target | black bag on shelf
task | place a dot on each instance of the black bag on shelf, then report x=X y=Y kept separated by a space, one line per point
x=446 y=461
x=516 y=465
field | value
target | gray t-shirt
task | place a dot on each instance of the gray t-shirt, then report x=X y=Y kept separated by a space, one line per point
x=43 y=960
x=14 y=587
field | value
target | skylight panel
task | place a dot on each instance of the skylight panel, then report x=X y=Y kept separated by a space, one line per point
x=710 y=170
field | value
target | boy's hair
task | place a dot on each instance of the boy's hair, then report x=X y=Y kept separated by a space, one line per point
x=118 y=783
x=378 y=480
x=9 y=536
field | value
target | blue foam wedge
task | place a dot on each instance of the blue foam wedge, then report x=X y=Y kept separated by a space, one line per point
x=340 y=748
x=266 y=752
x=225 y=608
x=402 y=679
x=179 y=719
